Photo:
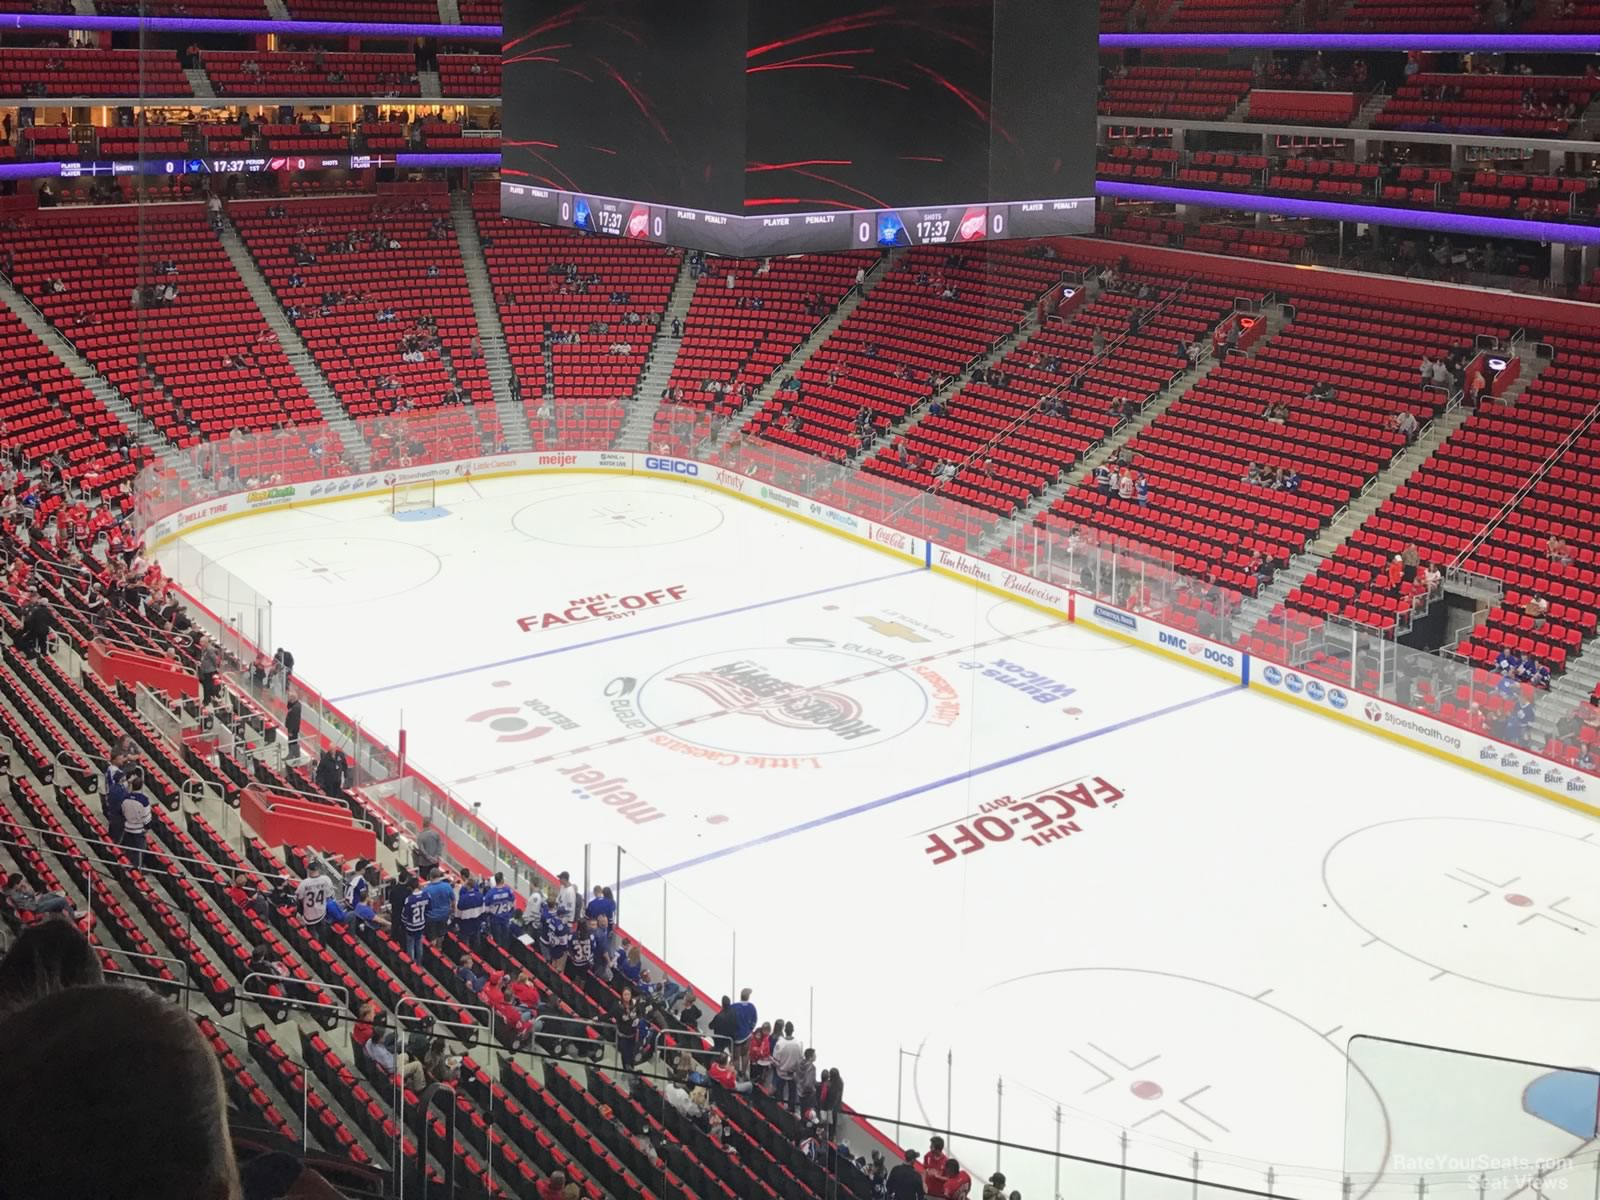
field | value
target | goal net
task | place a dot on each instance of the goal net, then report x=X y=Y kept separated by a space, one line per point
x=409 y=497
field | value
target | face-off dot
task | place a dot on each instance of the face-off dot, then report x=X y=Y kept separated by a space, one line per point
x=1518 y=900
x=1146 y=1089
x=501 y=683
x=716 y=819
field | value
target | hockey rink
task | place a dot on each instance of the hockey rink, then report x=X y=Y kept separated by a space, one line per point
x=1010 y=876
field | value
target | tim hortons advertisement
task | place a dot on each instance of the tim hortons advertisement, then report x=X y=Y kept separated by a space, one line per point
x=1024 y=587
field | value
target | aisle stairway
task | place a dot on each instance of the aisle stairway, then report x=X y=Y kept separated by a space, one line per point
x=491 y=333
x=824 y=330
x=1390 y=480
x=664 y=348
x=294 y=348
x=1125 y=433
x=141 y=430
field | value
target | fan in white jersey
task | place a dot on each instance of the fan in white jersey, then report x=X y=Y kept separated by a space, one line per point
x=312 y=895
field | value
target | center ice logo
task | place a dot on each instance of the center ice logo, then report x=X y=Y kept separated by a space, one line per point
x=746 y=687
x=814 y=698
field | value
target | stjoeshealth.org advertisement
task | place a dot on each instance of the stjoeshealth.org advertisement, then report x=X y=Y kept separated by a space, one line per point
x=1531 y=770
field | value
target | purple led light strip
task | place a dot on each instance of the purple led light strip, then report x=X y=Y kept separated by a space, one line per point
x=404 y=29
x=1503 y=43
x=1487 y=43
x=1285 y=206
x=1376 y=214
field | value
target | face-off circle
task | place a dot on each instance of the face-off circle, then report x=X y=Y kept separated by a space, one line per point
x=325 y=572
x=1030 y=627
x=1509 y=906
x=782 y=701
x=1177 y=1064
x=620 y=520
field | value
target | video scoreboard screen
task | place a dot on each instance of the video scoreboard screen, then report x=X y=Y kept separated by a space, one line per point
x=759 y=128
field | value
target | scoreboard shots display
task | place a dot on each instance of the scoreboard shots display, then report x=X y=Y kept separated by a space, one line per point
x=746 y=127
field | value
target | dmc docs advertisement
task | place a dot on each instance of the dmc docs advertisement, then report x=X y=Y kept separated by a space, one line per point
x=1523 y=766
x=1224 y=660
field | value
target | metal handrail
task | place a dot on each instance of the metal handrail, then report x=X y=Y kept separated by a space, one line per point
x=1077 y=377
x=266 y=999
x=1528 y=487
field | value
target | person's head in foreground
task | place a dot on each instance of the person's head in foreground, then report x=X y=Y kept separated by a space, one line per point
x=48 y=957
x=109 y=1092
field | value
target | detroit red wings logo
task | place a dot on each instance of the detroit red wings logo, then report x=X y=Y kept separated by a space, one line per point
x=748 y=689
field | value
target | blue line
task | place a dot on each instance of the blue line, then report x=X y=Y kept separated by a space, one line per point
x=842 y=814
x=617 y=637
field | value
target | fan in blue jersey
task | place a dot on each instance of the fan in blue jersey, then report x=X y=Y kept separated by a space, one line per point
x=500 y=903
x=555 y=937
x=414 y=919
x=470 y=910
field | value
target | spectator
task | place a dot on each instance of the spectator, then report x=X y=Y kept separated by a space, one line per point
x=379 y=1043
x=23 y=899
x=787 y=1056
x=429 y=851
x=395 y=894
x=47 y=958
x=830 y=1097
x=291 y=727
x=995 y=1189
x=470 y=910
x=412 y=919
x=439 y=1065
x=88 y=1110
x=933 y=1166
x=37 y=622
x=805 y=1085
x=1406 y=422
x=209 y=669
x=724 y=1028
x=1410 y=560
x=566 y=897
x=1558 y=549
x=553 y=1187
x=957 y=1183
x=905 y=1181
x=312 y=895
x=136 y=818
x=500 y=906
x=603 y=904
x=744 y=1013
x=441 y=901
x=722 y=1074
x=1475 y=387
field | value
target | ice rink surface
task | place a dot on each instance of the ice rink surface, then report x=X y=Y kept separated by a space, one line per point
x=957 y=843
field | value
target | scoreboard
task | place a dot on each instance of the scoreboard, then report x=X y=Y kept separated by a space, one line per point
x=756 y=127
x=797 y=233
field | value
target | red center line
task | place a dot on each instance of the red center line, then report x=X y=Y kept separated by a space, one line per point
x=886 y=669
